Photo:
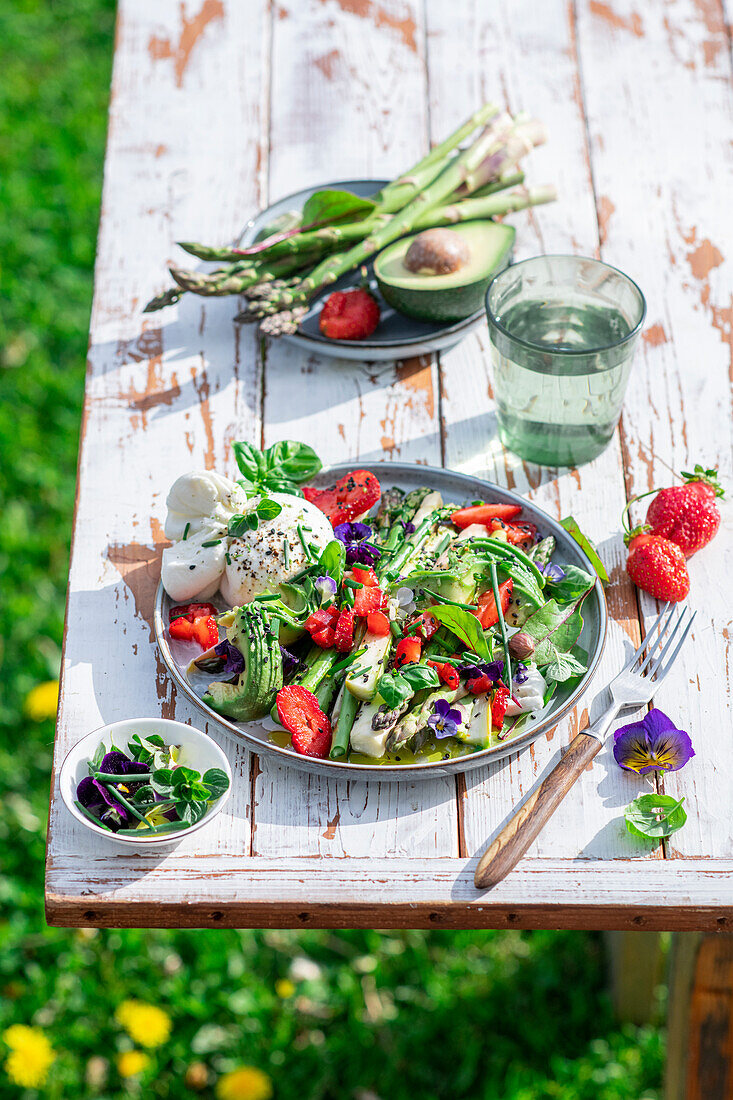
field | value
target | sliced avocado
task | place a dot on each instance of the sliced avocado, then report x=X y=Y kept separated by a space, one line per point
x=254 y=690
x=448 y=297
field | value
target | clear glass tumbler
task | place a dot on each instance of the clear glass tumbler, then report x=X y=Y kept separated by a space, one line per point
x=563 y=331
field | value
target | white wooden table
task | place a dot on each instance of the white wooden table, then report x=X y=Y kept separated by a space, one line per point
x=219 y=106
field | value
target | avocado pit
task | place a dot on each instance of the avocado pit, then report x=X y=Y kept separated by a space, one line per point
x=437 y=252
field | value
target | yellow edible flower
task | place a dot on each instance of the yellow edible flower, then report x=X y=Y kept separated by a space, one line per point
x=30 y=1056
x=284 y=987
x=132 y=1062
x=245 y=1083
x=146 y=1024
x=42 y=701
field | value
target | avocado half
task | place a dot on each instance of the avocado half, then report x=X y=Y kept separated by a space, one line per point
x=445 y=297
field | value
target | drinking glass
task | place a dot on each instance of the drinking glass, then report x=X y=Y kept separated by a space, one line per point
x=563 y=331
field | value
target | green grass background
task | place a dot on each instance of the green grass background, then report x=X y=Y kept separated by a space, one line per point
x=500 y=1016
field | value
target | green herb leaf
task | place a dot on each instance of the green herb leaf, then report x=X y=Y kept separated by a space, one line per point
x=216 y=781
x=571 y=526
x=464 y=625
x=394 y=689
x=574 y=584
x=250 y=461
x=294 y=461
x=332 y=561
x=162 y=780
x=562 y=667
x=268 y=509
x=99 y=755
x=655 y=815
x=191 y=812
x=420 y=677
x=329 y=206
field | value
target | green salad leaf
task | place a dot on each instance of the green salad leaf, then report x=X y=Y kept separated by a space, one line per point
x=572 y=528
x=464 y=625
x=655 y=815
x=280 y=468
x=562 y=667
x=332 y=561
x=396 y=688
x=331 y=205
x=574 y=584
x=555 y=628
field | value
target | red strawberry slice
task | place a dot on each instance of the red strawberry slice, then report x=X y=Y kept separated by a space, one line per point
x=300 y=713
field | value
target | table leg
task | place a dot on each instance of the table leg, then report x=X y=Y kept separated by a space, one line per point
x=635 y=972
x=700 y=1032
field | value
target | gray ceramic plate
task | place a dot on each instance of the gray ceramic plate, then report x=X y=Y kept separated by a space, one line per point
x=454 y=487
x=397 y=337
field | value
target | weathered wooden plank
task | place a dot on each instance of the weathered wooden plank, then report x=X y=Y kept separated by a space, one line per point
x=534 y=65
x=350 y=63
x=667 y=71
x=167 y=392
x=393 y=892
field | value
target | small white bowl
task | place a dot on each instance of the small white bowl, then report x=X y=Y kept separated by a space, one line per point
x=197 y=751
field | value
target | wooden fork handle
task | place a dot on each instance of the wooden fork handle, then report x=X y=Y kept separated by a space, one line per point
x=527 y=823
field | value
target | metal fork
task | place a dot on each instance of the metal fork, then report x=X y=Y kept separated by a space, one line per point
x=634 y=686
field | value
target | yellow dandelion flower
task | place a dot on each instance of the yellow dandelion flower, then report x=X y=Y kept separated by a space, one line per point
x=245 y=1083
x=132 y=1062
x=284 y=987
x=146 y=1024
x=42 y=701
x=30 y=1056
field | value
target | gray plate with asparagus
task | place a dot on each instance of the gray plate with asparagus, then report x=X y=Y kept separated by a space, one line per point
x=293 y=255
x=459 y=489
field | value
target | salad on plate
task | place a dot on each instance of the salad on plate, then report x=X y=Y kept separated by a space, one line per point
x=366 y=624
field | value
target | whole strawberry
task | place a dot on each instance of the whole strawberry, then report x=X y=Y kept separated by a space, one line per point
x=349 y=315
x=657 y=565
x=687 y=514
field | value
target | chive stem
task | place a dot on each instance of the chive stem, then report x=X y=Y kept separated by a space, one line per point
x=286 y=555
x=352 y=584
x=185 y=534
x=502 y=626
x=453 y=603
x=347 y=660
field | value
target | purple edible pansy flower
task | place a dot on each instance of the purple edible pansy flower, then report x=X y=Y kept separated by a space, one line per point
x=554 y=573
x=653 y=744
x=116 y=763
x=326 y=589
x=354 y=537
x=99 y=800
x=409 y=527
x=520 y=673
x=444 y=722
x=234 y=661
x=493 y=669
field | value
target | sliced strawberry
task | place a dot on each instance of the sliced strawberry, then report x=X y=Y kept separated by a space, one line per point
x=367 y=600
x=205 y=631
x=447 y=674
x=484 y=513
x=192 y=611
x=499 y=703
x=325 y=638
x=517 y=534
x=320 y=619
x=182 y=629
x=310 y=728
x=428 y=625
x=480 y=685
x=365 y=576
x=408 y=651
x=378 y=623
x=344 y=631
x=487 y=613
x=352 y=496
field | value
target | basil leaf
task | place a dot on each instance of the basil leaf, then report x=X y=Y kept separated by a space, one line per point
x=191 y=812
x=420 y=677
x=574 y=584
x=464 y=625
x=572 y=528
x=655 y=815
x=334 y=205
x=216 y=781
x=394 y=689
x=162 y=780
x=282 y=485
x=295 y=461
x=239 y=524
x=268 y=509
x=332 y=561
x=144 y=794
x=562 y=667
x=250 y=461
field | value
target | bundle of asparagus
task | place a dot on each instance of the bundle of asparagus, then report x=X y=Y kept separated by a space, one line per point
x=282 y=273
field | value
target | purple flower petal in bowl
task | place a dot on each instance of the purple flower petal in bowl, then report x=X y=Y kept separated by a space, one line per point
x=653 y=744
